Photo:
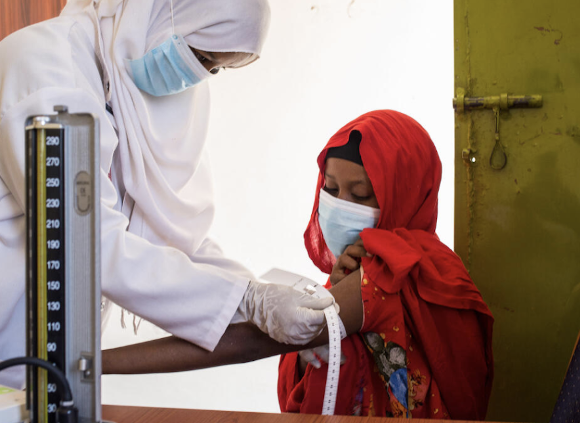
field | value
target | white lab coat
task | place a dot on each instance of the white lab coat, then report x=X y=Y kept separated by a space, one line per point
x=192 y=294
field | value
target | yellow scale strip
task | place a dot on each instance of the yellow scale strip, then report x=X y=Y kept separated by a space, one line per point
x=41 y=288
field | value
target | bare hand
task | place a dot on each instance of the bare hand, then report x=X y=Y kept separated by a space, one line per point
x=347 y=262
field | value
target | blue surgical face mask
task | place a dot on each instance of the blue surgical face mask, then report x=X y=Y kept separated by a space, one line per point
x=167 y=69
x=341 y=221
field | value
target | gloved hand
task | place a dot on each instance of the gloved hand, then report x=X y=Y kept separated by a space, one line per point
x=312 y=356
x=285 y=314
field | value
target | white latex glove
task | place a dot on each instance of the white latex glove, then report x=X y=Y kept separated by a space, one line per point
x=312 y=356
x=285 y=314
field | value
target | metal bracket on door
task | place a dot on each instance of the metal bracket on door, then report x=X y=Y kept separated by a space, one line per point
x=498 y=158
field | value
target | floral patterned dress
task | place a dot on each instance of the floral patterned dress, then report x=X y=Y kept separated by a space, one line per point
x=398 y=360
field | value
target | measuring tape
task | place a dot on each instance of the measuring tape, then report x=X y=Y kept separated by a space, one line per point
x=336 y=332
x=334 y=337
x=336 y=329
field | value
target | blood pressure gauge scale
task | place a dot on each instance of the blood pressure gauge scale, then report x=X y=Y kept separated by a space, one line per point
x=63 y=261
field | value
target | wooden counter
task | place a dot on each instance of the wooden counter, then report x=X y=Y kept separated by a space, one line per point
x=125 y=414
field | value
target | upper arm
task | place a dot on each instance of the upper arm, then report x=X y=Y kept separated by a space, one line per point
x=347 y=294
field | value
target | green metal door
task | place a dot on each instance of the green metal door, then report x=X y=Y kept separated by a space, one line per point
x=517 y=199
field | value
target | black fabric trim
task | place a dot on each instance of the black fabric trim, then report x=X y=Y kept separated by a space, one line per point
x=350 y=151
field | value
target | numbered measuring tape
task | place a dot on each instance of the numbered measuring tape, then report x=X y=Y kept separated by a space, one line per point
x=336 y=332
x=63 y=266
x=336 y=329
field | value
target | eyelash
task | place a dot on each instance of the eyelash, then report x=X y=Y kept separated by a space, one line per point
x=356 y=197
x=203 y=59
x=333 y=191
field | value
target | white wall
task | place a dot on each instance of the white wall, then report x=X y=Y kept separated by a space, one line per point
x=325 y=63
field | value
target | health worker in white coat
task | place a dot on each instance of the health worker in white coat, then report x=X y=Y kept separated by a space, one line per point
x=142 y=67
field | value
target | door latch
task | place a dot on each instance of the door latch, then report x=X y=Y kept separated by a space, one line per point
x=498 y=158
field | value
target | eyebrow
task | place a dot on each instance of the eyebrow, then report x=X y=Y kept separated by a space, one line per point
x=210 y=56
x=207 y=54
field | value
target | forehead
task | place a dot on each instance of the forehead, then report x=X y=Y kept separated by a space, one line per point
x=345 y=171
x=233 y=59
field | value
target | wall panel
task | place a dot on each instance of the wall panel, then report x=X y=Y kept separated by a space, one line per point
x=16 y=14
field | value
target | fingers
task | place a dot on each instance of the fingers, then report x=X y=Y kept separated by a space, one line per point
x=339 y=269
x=313 y=319
x=349 y=260
x=312 y=312
x=336 y=276
x=310 y=357
x=308 y=301
x=323 y=353
x=357 y=250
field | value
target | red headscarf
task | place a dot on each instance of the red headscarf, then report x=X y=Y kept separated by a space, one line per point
x=405 y=171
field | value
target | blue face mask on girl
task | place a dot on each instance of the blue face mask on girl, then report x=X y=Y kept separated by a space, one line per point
x=341 y=221
x=167 y=69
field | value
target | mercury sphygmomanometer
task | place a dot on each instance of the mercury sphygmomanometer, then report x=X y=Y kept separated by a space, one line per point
x=63 y=293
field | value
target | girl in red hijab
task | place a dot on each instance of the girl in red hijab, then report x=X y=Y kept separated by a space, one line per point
x=424 y=349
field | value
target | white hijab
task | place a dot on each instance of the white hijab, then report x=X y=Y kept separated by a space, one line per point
x=161 y=139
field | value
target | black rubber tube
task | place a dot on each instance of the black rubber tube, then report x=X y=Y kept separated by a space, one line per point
x=48 y=366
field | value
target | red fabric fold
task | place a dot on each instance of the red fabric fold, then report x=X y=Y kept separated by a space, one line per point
x=306 y=394
x=443 y=279
x=393 y=256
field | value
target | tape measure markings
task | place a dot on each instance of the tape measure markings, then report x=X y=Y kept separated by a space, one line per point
x=336 y=332
x=336 y=329
x=334 y=338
